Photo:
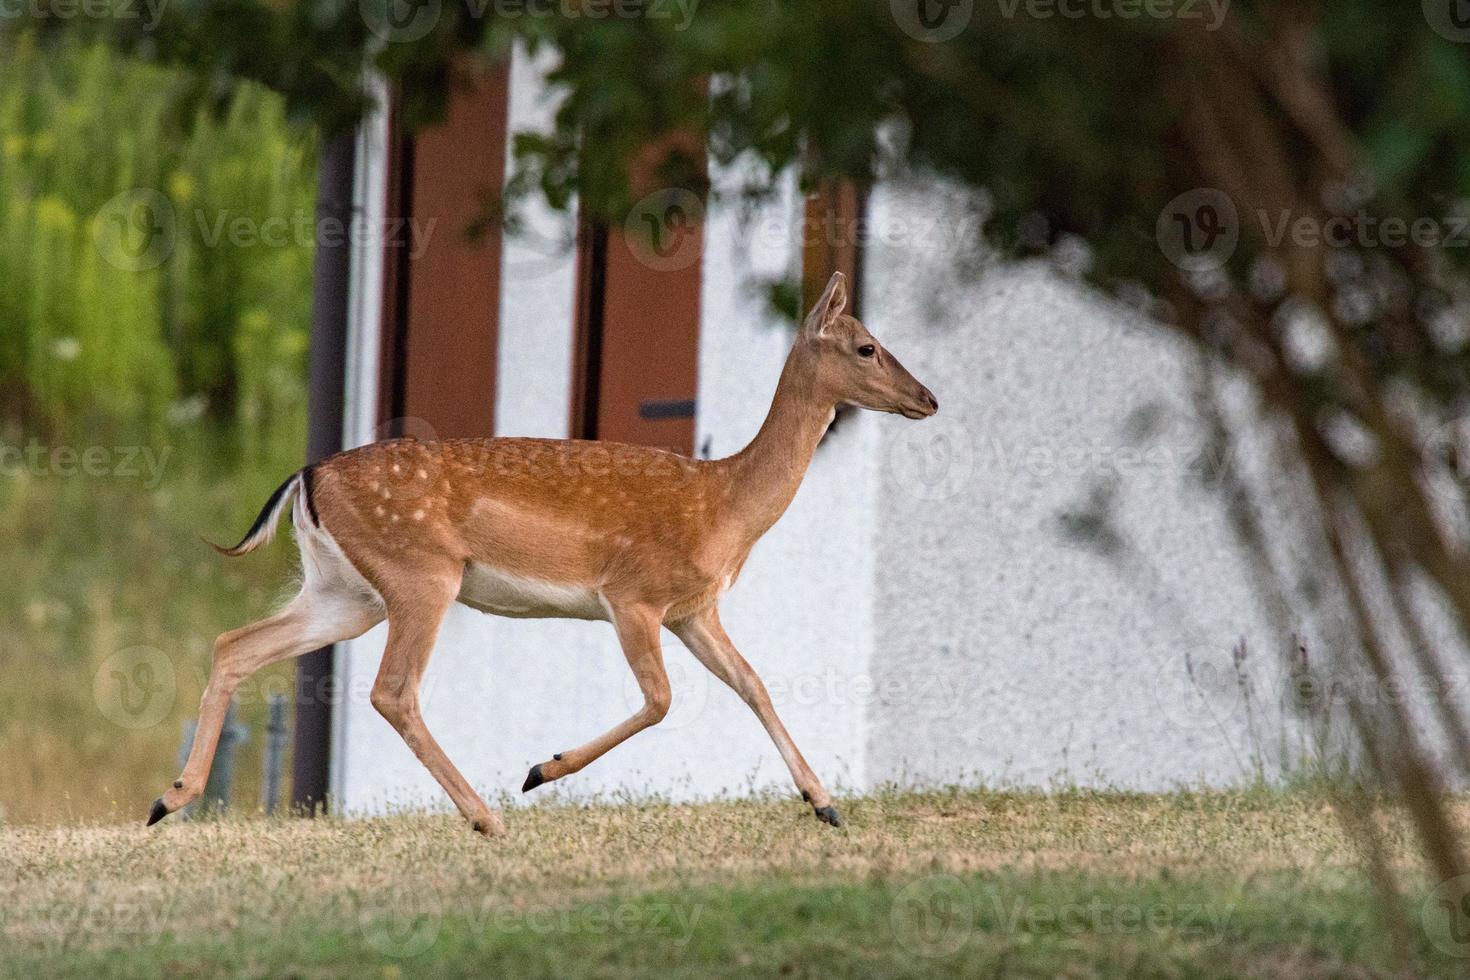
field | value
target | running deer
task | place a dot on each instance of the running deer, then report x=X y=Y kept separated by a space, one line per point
x=640 y=537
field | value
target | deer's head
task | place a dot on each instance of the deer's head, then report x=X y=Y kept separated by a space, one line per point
x=851 y=367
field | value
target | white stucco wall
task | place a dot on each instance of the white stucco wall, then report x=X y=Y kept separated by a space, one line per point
x=533 y=393
x=1009 y=652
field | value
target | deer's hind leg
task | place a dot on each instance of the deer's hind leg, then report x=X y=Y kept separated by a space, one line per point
x=418 y=598
x=317 y=617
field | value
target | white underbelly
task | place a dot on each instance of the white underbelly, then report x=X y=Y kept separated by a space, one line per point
x=492 y=590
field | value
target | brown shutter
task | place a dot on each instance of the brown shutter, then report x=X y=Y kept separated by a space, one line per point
x=443 y=306
x=831 y=240
x=636 y=361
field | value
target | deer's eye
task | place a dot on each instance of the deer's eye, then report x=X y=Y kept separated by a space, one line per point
x=866 y=350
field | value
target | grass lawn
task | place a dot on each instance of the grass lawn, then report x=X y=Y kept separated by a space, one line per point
x=915 y=885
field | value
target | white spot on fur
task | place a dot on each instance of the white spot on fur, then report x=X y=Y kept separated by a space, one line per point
x=418 y=515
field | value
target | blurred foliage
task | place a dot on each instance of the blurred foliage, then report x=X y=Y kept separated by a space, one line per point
x=171 y=360
x=202 y=318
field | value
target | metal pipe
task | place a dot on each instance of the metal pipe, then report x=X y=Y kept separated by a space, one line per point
x=326 y=394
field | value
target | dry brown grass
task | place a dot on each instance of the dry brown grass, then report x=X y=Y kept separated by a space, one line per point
x=103 y=885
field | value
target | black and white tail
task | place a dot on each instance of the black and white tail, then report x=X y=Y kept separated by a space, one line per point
x=264 y=528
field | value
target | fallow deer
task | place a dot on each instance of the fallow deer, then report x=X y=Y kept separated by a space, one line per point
x=640 y=537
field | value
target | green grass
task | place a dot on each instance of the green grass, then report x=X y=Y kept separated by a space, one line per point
x=918 y=885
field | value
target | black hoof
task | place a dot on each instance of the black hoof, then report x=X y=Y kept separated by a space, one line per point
x=478 y=826
x=158 y=812
x=828 y=814
x=533 y=779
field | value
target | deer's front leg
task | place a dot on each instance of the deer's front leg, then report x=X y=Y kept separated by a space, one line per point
x=637 y=628
x=706 y=639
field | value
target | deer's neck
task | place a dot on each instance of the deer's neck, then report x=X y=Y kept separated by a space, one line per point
x=768 y=472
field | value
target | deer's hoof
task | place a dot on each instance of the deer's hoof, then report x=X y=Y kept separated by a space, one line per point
x=488 y=827
x=158 y=812
x=828 y=814
x=533 y=779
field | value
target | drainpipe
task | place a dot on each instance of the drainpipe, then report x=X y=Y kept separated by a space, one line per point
x=326 y=396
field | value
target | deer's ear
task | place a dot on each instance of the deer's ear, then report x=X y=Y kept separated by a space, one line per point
x=827 y=308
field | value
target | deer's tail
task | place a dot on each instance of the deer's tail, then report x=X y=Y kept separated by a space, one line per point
x=264 y=528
